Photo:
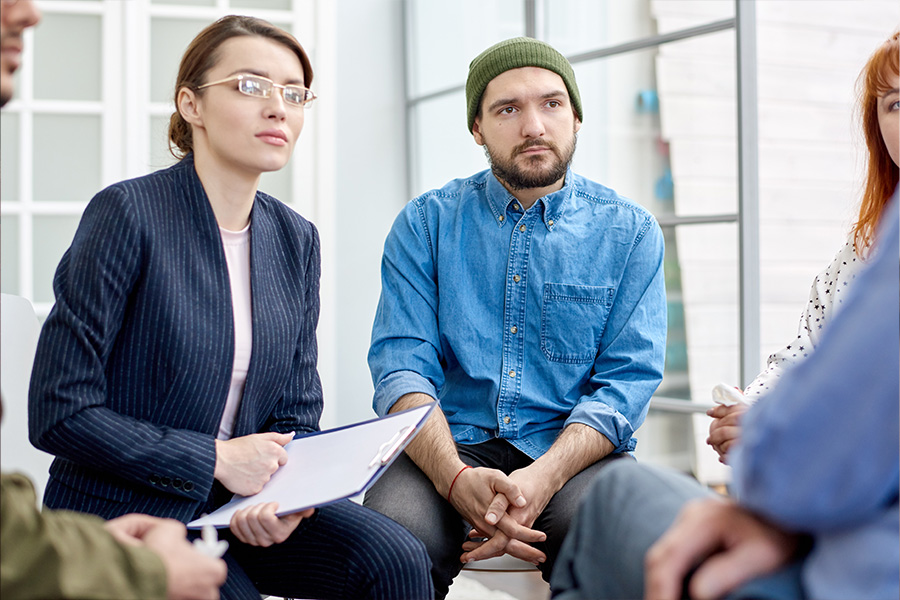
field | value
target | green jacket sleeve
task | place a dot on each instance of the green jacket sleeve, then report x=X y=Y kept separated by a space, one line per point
x=63 y=554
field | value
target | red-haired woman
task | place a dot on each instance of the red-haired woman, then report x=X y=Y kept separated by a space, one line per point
x=879 y=108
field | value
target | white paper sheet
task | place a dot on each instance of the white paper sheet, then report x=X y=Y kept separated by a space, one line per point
x=329 y=466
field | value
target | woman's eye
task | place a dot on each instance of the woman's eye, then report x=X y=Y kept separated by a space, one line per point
x=895 y=105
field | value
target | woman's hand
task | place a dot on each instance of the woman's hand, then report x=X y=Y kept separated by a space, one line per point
x=259 y=526
x=246 y=463
x=725 y=429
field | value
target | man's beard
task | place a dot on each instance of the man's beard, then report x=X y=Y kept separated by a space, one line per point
x=533 y=173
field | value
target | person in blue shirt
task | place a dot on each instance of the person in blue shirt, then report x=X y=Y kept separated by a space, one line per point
x=816 y=481
x=530 y=302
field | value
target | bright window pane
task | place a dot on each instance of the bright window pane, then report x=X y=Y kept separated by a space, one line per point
x=52 y=236
x=667 y=439
x=9 y=150
x=675 y=378
x=576 y=26
x=443 y=39
x=73 y=74
x=9 y=246
x=708 y=261
x=444 y=148
x=160 y=157
x=672 y=16
x=66 y=157
x=187 y=2
x=619 y=144
x=169 y=38
x=278 y=184
x=262 y=4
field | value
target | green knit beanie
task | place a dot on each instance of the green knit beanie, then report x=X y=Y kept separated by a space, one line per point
x=513 y=54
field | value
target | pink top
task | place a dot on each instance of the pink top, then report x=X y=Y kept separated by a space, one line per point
x=237 y=255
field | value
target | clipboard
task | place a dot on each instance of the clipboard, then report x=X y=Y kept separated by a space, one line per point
x=329 y=466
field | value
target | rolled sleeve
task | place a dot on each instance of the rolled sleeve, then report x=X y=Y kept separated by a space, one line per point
x=398 y=384
x=608 y=421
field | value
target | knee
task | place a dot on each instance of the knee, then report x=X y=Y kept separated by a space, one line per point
x=410 y=557
x=400 y=568
x=609 y=486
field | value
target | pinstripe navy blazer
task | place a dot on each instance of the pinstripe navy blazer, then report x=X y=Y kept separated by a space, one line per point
x=134 y=361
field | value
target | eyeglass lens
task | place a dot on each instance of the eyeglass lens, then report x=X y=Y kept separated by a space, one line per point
x=254 y=86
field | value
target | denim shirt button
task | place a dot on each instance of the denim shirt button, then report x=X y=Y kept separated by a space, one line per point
x=514 y=329
x=506 y=420
x=501 y=218
x=516 y=278
x=512 y=373
x=550 y=222
x=522 y=228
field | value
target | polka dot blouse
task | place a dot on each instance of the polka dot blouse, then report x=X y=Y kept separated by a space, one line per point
x=825 y=298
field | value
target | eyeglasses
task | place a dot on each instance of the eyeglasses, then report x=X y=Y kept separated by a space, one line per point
x=261 y=87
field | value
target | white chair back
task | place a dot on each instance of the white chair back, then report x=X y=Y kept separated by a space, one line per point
x=19 y=329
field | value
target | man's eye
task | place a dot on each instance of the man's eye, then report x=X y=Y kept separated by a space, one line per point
x=553 y=104
x=507 y=110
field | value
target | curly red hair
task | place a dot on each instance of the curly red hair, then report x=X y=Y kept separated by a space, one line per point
x=882 y=174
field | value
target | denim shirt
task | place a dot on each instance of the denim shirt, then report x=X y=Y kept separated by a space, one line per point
x=522 y=322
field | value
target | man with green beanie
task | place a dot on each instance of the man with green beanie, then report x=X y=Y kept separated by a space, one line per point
x=530 y=302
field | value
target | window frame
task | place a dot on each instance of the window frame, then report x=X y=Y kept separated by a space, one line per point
x=747 y=216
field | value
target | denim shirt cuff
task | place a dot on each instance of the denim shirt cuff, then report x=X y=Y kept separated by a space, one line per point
x=607 y=421
x=397 y=384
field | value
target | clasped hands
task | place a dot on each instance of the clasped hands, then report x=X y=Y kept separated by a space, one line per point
x=244 y=465
x=502 y=509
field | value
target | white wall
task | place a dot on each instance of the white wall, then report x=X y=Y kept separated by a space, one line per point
x=370 y=183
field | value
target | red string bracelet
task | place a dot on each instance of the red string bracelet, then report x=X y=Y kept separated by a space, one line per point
x=450 y=491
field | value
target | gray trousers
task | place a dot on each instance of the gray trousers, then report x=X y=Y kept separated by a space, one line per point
x=408 y=497
x=627 y=508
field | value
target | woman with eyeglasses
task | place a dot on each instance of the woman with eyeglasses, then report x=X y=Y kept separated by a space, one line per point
x=180 y=356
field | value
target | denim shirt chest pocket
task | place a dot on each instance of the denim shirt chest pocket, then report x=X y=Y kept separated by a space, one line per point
x=573 y=318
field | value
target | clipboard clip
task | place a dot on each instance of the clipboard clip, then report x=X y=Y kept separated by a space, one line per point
x=387 y=450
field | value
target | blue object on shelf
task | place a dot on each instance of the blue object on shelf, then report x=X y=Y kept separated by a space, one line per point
x=648 y=101
x=665 y=188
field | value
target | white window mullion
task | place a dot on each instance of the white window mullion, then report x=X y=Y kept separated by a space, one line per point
x=67 y=107
x=72 y=7
x=136 y=85
x=112 y=125
x=318 y=166
x=26 y=171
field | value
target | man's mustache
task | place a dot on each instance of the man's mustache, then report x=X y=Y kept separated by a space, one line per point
x=535 y=142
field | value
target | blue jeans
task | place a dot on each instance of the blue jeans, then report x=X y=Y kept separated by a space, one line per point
x=626 y=509
x=407 y=496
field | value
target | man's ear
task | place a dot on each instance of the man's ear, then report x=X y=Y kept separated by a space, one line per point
x=476 y=131
x=577 y=124
x=188 y=105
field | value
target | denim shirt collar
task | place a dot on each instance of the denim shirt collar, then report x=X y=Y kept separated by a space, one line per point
x=552 y=205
